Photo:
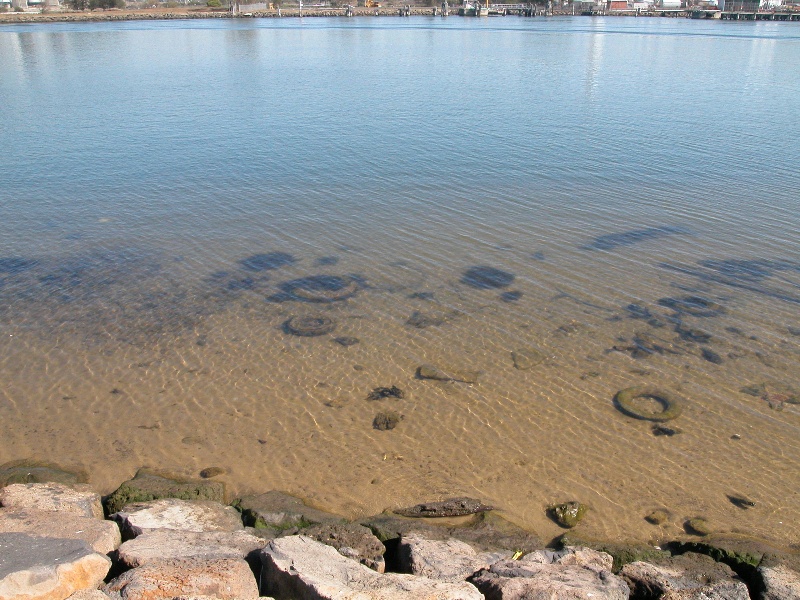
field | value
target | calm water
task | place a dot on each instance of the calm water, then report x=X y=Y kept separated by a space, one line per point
x=596 y=163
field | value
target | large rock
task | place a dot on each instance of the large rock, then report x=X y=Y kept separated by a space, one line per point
x=689 y=576
x=280 y=511
x=183 y=515
x=542 y=575
x=779 y=583
x=146 y=486
x=78 y=499
x=304 y=569
x=447 y=560
x=163 y=544
x=222 y=578
x=41 y=568
x=353 y=541
x=102 y=536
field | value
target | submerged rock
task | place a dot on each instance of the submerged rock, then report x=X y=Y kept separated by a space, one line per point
x=454 y=507
x=433 y=372
x=379 y=393
x=147 y=486
x=281 y=512
x=385 y=421
x=698 y=526
x=657 y=517
x=527 y=358
x=569 y=514
x=486 y=278
x=31 y=471
x=78 y=499
x=267 y=262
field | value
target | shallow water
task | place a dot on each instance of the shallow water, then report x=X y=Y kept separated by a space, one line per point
x=457 y=190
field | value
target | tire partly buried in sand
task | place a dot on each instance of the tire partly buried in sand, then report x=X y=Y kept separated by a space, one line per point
x=672 y=404
x=309 y=326
x=321 y=288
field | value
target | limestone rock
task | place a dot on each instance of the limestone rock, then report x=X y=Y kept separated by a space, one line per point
x=282 y=511
x=542 y=575
x=299 y=567
x=183 y=515
x=353 y=541
x=222 y=578
x=78 y=499
x=779 y=583
x=688 y=576
x=41 y=568
x=440 y=374
x=446 y=560
x=102 y=536
x=146 y=486
x=163 y=544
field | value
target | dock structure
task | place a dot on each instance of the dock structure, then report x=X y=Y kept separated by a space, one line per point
x=759 y=16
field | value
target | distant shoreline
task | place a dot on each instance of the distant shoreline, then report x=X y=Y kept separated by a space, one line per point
x=200 y=13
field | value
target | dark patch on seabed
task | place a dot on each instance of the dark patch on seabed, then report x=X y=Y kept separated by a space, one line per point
x=121 y=295
x=267 y=262
x=767 y=277
x=628 y=238
x=486 y=278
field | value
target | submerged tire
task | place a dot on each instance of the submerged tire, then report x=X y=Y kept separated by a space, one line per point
x=673 y=405
x=321 y=288
x=309 y=326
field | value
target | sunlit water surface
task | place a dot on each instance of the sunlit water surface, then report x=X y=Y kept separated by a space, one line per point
x=602 y=166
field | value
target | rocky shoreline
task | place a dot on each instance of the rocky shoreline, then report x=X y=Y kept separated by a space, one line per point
x=156 y=537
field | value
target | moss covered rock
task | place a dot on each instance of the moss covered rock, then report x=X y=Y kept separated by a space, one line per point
x=568 y=514
x=622 y=553
x=281 y=513
x=146 y=486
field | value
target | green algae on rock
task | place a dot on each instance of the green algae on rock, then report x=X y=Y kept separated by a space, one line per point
x=385 y=421
x=657 y=517
x=146 y=486
x=280 y=512
x=698 y=526
x=568 y=514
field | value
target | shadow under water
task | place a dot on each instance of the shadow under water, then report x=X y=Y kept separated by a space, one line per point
x=487 y=278
x=762 y=276
x=628 y=238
